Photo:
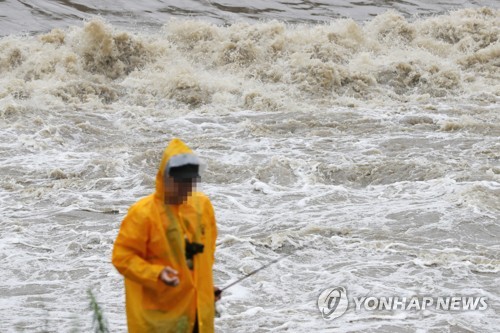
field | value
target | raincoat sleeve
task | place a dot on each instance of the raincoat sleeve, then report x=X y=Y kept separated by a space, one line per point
x=130 y=250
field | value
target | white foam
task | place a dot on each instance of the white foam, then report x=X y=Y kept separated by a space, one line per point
x=330 y=135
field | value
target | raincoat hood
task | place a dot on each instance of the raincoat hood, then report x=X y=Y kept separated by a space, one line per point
x=175 y=147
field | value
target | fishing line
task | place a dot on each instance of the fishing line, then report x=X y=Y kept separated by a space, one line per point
x=219 y=291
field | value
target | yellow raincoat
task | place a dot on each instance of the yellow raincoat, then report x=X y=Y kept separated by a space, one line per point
x=151 y=237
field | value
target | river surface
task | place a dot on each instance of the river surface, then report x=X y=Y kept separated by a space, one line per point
x=366 y=130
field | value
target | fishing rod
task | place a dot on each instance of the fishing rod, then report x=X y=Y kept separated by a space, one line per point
x=219 y=291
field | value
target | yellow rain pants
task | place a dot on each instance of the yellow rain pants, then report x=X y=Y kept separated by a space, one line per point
x=152 y=236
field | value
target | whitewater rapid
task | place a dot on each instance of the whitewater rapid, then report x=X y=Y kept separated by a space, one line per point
x=374 y=143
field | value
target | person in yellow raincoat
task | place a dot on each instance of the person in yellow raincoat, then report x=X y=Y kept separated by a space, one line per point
x=165 y=250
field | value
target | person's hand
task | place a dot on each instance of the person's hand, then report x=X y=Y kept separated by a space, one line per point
x=217 y=293
x=169 y=276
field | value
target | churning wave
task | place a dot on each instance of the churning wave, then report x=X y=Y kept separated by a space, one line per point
x=259 y=66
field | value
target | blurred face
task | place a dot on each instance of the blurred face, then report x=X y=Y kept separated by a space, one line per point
x=178 y=190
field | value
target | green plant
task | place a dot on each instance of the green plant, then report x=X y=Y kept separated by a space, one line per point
x=99 y=323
